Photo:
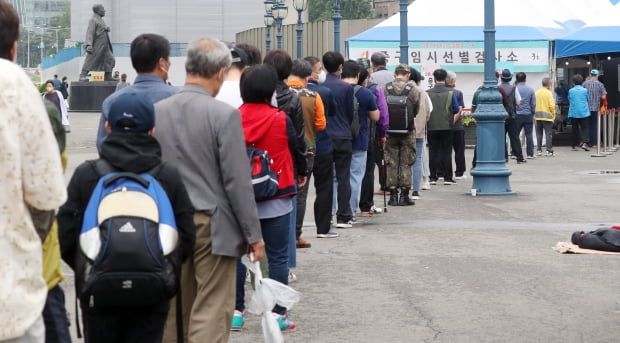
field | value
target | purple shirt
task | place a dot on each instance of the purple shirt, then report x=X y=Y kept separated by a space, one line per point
x=384 y=116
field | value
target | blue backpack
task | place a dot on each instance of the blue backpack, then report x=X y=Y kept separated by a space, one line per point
x=264 y=179
x=128 y=245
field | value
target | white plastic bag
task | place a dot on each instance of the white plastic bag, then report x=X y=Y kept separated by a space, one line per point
x=268 y=293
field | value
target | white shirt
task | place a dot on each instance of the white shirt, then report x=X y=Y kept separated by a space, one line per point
x=30 y=174
x=230 y=93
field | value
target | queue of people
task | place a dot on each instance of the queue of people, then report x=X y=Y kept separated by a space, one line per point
x=326 y=117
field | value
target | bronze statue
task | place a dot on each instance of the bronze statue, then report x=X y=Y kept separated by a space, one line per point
x=97 y=45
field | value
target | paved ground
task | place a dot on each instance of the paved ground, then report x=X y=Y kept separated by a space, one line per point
x=456 y=268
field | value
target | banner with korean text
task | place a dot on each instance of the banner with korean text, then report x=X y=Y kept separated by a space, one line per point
x=526 y=56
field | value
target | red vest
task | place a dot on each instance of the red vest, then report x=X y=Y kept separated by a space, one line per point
x=264 y=126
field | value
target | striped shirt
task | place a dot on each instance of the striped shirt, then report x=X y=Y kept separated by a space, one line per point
x=596 y=90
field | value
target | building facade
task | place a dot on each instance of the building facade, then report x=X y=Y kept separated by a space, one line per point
x=179 y=21
x=39 y=12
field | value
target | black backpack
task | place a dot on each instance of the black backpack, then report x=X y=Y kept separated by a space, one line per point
x=355 y=122
x=372 y=125
x=401 y=110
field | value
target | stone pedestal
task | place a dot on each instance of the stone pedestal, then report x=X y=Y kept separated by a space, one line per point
x=88 y=96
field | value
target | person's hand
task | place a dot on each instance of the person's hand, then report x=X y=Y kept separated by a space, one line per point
x=382 y=141
x=89 y=49
x=256 y=250
x=301 y=180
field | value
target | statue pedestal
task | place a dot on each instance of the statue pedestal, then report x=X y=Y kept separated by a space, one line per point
x=88 y=96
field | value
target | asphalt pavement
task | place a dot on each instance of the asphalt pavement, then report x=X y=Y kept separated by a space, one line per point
x=454 y=268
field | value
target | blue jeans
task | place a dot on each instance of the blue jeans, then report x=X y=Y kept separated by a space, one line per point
x=358 y=168
x=526 y=122
x=292 y=239
x=276 y=232
x=417 y=165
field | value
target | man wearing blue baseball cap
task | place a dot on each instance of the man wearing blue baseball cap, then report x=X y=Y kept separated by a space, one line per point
x=128 y=147
x=596 y=94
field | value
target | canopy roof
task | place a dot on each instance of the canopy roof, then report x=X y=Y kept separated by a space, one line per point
x=515 y=20
x=599 y=36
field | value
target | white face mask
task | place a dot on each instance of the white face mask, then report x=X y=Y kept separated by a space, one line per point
x=274 y=100
x=49 y=89
x=165 y=71
x=322 y=76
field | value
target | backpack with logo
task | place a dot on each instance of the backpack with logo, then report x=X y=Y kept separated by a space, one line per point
x=128 y=243
x=401 y=110
x=264 y=179
x=355 y=122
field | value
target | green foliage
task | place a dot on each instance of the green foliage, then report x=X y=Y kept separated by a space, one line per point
x=349 y=9
x=468 y=119
x=63 y=20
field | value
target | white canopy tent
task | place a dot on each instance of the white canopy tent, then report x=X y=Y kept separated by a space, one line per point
x=449 y=34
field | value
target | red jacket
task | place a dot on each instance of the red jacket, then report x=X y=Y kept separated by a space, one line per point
x=266 y=127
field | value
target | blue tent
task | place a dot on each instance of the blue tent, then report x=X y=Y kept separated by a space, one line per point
x=589 y=40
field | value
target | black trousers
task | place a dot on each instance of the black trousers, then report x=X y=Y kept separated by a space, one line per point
x=513 y=136
x=343 y=152
x=125 y=325
x=378 y=158
x=458 y=144
x=368 y=183
x=581 y=130
x=440 y=153
x=324 y=186
x=55 y=317
x=302 y=196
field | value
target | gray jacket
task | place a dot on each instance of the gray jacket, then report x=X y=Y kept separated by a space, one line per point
x=381 y=77
x=203 y=138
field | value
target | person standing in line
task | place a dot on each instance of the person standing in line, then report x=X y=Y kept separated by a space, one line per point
x=230 y=92
x=203 y=137
x=341 y=134
x=268 y=128
x=289 y=102
x=150 y=57
x=445 y=107
x=129 y=147
x=512 y=100
x=56 y=98
x=380 y=76
x=421 y=120
x=33 y=182
x=55 y=313
x=376 y=141
x=596 y=94
x=314 y=120
x=525 y=112
x=400 y=150
x=579 y=113
x=545 y=117
x=367 y=112
x=458 y=131
x=322 y=169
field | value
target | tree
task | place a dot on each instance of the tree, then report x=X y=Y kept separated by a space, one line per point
x=349 y=9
